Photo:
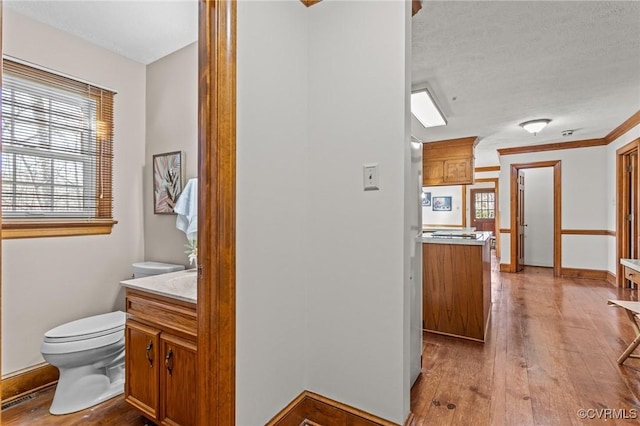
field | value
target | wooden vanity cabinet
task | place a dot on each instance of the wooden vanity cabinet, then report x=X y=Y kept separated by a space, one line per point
x=449 y=162
x=161 y=358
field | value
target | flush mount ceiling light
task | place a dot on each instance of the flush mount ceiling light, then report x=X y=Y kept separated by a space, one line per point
x=425 y=109
x=534 y=126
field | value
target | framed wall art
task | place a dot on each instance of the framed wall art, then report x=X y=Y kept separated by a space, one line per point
x=168 y=179
x=441 y=204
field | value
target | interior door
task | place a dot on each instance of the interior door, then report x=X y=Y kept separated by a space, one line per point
x=520 y=222
x=483 y=209
x=629 y=237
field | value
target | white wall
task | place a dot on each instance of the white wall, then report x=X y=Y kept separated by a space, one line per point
x=321 y=268
x=49 y=281
x=358 y=89
x=446 y=218
x=611 y=194
x=171 y=125
x=538 y=216
x=275 y=231
x=584 y=189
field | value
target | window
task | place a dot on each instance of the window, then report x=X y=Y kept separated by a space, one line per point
x=485 y=205
x=57 y=154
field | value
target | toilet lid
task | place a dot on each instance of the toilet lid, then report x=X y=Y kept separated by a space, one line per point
x=87 y=328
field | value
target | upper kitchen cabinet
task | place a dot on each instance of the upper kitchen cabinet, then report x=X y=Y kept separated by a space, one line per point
x=449 y=162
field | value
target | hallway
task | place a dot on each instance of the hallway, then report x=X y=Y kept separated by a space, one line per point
x=551 y=352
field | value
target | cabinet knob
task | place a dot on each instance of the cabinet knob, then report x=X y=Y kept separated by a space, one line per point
x=168 y=361
x=149 y=347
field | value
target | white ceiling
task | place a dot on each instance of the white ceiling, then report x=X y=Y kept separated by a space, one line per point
x=490 y=64
x=494 y=64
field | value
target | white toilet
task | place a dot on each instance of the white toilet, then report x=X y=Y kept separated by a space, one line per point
x=89 y=353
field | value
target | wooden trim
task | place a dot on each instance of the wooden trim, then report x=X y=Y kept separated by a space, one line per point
x=611 y=278
x=505 y=267
x=313 y=408
x=410 y=419
x=592 y=274
x=628 y=124
x=621 y=206
x=1 y=225
x=487 y=169
x=217 y=207
x=427 y=225
x=487 y=180
x=310 y=3
x=416 y=5
x=587 y=143
x=28 y=381
x=458 y=141
x=586 y=232
x=12 y=229
x=504 y=230
x=557 y=211
x=464 y=206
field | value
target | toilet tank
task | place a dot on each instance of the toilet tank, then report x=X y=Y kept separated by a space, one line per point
x=146 y=269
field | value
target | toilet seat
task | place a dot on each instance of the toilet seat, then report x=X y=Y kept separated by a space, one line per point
x=85 y=334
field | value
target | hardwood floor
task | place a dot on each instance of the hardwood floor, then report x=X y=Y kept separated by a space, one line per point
x=114 y=412
x=551 y=351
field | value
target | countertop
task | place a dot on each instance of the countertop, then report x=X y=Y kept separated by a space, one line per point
x=181 y=285
x=454 y=237
x=631 y=263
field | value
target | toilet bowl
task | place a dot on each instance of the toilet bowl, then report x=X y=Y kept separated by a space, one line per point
x=90 y=356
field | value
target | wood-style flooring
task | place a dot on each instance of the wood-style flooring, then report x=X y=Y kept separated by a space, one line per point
x=114 y=412
x=552 y=351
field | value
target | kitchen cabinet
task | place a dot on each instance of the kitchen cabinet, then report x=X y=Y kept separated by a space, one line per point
x=161 y=358
x=456 y=291
x=449 y=162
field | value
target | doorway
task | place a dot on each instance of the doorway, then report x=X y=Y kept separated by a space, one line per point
x=538 y=217
x=518 y=224
x=483 y=209
x=627 y=210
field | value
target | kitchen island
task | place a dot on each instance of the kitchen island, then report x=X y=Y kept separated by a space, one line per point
x=456 y=281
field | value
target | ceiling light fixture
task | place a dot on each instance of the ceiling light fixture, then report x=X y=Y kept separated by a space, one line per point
x=424 y=108
x=534 y=126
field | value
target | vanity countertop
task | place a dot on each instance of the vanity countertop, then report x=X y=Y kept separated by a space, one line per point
x=181 y=285
x=631 y=263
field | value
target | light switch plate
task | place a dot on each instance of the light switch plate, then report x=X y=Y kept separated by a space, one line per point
x=370 y=175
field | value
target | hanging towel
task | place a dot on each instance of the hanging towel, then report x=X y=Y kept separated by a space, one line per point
x=187 y=210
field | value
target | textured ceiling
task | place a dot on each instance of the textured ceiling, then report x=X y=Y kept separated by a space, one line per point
x=490 y=64
x=493 y=65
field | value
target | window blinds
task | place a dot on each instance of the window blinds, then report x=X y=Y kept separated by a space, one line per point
x=57 y=136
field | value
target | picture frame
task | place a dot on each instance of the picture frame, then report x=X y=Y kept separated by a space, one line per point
x=426 y=199
x=441 y=204
x=168 y=181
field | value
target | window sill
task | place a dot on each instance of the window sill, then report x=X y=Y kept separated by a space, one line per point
x=12 y=229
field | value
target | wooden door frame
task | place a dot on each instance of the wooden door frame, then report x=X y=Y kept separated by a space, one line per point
x=557 y=212
x=216 y=309
x=496 y=187
x=621 y=203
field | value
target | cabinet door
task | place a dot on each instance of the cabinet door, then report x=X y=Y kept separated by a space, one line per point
x=178 y=381
x=458 y=171
x=142 y=367
x=432 y=172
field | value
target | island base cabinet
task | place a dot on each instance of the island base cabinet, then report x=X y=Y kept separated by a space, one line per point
x=457 y=289
x=178 y=381
x=141 y=367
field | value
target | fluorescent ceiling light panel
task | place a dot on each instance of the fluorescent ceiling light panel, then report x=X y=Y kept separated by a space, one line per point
x=425 y=110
